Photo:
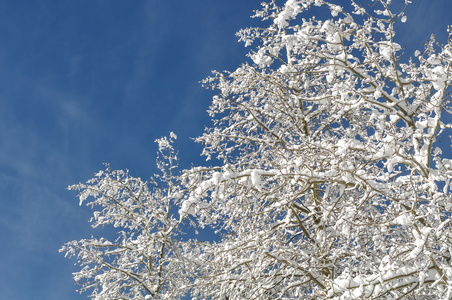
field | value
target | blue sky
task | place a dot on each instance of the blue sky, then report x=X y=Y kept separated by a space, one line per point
x=92 y=81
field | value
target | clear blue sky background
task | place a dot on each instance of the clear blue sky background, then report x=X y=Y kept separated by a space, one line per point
x=91 y=81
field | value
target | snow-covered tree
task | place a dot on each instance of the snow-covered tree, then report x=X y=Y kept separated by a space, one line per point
x=330 y=182
x=145 y=259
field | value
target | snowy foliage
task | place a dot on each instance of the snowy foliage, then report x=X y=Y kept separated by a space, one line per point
x=144 y=260
x=332 y=182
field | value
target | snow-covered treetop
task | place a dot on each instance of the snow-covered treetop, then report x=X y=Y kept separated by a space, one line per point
x=332 y=181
